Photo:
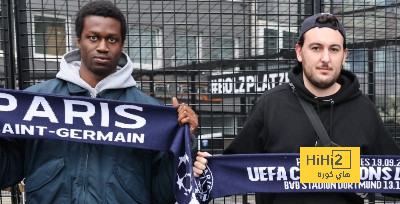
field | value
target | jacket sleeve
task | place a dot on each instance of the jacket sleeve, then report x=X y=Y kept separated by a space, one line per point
x=162 y=190
x=11 y=162
x=251 y=138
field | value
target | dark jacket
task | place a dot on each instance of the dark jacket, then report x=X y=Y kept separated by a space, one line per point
x=68 y=172
x=277 y=123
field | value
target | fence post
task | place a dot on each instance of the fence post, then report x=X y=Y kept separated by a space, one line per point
x=22 y=43
x=317 y=6
x=9 y=59
x=371 y=74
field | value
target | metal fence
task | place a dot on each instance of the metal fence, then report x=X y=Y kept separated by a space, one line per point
x=5 y=197
x=195 y=50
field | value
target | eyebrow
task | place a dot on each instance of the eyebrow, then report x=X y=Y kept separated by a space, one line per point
x=319 y=44
x=114 y=35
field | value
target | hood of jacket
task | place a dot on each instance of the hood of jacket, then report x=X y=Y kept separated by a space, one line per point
x=122 y=78
x=350 y=88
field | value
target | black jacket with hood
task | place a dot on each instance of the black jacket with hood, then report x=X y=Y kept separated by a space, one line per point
x=277 y=123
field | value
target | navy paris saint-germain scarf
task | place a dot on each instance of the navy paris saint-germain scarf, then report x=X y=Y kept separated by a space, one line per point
x=100 y=121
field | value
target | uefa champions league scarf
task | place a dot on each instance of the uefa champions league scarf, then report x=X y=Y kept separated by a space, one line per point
x=108 y=122
x=280 y=173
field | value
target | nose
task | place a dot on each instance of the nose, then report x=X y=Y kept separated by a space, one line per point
x=325 y=56
x=102 y=46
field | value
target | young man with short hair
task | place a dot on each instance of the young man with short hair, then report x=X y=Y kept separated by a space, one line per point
x=69 y=172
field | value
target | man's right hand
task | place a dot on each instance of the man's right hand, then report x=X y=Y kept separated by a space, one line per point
x=200 y=164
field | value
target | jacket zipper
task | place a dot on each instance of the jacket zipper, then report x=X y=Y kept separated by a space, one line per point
x=85 y=187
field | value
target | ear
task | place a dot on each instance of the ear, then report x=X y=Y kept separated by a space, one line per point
x=298 y=53
x=78 y=42
x=345 y=53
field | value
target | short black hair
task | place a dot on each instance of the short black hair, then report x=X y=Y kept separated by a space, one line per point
x=99 y=8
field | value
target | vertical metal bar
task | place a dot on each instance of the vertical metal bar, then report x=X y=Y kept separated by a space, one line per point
x=188 y=57
x=7 y=18
x=308 y=7
x=193 y=87
x=317 y=8
x=371 y=80
x=22 y=43
x=9 y=58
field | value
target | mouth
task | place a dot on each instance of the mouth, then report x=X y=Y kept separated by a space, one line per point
x=324 y=68
x=101 y=59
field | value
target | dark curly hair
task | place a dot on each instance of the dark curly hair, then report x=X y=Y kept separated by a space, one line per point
x=99 y=8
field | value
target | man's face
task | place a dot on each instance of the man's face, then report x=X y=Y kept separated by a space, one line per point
x=101 y=46
x=322 y=56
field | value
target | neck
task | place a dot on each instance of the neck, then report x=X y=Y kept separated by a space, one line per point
x=89 y=77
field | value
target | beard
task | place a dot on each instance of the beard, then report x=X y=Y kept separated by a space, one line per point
x=321 y=84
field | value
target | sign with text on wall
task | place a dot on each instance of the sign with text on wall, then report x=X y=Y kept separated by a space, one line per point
x=330 y=164
x=246 y=83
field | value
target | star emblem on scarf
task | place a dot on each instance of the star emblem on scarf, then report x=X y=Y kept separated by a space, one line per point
x=184 y=160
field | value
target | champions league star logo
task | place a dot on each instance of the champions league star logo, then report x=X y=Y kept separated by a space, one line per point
x=183 y=160
x=186 y=178
x=204 y=185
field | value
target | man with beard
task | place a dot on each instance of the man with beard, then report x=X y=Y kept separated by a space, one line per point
x=278 y=123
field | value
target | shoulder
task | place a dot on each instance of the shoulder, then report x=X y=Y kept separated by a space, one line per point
x=138 y=96
x=360 y=109
x=366 y=104
x=51 y=86
x=362 y=102
x=282 y=90
x=276 y=97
